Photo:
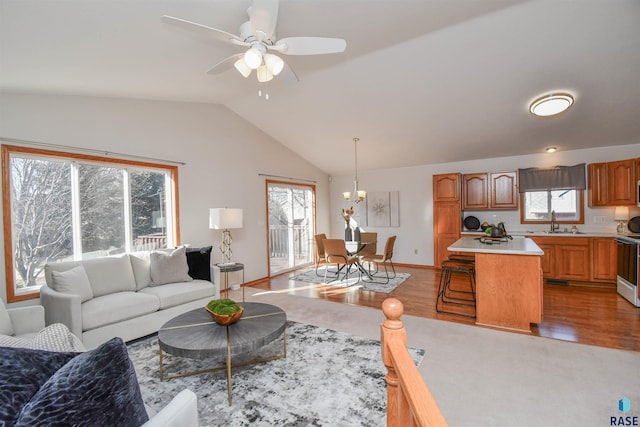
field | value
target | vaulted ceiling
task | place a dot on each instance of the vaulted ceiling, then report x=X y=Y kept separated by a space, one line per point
x=421 y=81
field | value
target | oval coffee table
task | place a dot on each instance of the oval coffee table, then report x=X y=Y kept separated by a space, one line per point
x=196 y=335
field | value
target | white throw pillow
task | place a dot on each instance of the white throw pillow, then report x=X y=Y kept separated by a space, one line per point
x=74 y=281
x=55 y=337
x=169 y=267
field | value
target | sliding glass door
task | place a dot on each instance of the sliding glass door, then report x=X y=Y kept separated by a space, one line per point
x=291 y=223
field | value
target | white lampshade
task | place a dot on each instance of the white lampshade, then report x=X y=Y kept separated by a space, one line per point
x=242 y=67
x=621 y=213
x=225 y=218
x=274 y=63
x=264 y=75
x=253 y=58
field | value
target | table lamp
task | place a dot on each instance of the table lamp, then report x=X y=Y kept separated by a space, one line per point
x=621 y=214
x=225 y=219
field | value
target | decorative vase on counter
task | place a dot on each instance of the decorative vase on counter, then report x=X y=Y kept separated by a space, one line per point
x=348 y=236
x=356 y=234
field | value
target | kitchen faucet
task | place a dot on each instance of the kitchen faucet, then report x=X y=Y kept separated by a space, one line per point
x=554 y=226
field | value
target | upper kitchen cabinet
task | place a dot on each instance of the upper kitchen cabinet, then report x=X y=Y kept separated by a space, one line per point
x=446 y=187
x=494 y=190
x=612 y=183
x=504 y=190
x=474 y=191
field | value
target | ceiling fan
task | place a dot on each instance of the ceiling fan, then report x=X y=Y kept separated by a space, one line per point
x=259 y=36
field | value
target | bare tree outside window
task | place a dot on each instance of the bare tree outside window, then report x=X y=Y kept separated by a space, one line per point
x=40 y=216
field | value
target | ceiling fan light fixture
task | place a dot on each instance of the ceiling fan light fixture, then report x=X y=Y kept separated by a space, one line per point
x=551 y=104
x=264 y=75
x=242 y=67
x=274 y=63
x=253 y=58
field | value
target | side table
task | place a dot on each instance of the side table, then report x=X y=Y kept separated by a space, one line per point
x=223 y=270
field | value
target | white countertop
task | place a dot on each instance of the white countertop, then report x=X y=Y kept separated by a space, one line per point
x=517 y=246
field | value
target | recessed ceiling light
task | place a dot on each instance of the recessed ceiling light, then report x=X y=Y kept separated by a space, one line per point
x=551 y=104
x=551 y=149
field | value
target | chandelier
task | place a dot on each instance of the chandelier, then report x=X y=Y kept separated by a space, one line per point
x=358 y=195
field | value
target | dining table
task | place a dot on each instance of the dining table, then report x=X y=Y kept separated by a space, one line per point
x=354 y=247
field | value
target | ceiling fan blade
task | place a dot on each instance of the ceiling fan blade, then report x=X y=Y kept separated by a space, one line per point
x=309 y=45
x=204 y=30
x=264 y=17
x=288 y=76
x=225 y=64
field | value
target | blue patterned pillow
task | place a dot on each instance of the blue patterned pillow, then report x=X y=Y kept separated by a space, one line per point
x=22 y=373
x=96 y=388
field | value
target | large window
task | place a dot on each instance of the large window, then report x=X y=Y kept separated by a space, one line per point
x=64 y=206
x=567 y=205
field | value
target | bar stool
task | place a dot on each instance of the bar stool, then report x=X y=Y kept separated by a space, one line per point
x=445 y=293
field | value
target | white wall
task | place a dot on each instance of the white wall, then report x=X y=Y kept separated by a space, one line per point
x=223 y=154
x=415 y=233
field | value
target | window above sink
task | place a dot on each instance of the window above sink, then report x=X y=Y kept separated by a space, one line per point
x=538 y=205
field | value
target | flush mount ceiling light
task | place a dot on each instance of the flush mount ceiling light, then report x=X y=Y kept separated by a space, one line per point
x=551 y=149
x=551 y=104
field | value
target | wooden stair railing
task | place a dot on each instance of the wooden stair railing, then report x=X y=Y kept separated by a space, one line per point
x=409 y=401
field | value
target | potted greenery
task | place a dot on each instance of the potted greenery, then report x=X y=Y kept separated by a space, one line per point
x=224 y=311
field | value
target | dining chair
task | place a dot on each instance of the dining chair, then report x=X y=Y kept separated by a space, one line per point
x=371 y=248
x=320 y=257
x=336 y=253
x=383 y=258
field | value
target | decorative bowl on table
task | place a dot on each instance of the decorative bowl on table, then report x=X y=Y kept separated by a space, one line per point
x=224 y=311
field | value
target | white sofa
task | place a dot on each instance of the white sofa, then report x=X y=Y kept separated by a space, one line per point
x=123 y=297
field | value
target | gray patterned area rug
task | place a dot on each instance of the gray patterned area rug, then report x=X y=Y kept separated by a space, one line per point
x=328 y=378
x=310 y=276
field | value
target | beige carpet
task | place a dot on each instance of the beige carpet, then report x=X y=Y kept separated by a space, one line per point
x=484 y=377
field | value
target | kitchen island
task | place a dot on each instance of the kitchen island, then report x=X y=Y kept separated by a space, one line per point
x=508 y=281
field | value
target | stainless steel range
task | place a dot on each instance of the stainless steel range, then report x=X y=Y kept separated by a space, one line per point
x=628 y=259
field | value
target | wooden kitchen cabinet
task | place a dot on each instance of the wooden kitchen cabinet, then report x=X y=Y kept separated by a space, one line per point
x=494 y=190
x=504 y=190
x=565 y=258
x=612 y=183
x=621 y=182
x=573 y=259
x=548 y=260
x=447 y=214
x=474 y=191
x=598 y=184
x=604 y=259
x=446 y=187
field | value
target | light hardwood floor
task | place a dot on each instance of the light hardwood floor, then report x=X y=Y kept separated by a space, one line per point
x=583 y=313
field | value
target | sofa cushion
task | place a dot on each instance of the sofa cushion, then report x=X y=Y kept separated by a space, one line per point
x=22 y=372
x=173 y=294
x=140 y=262
x=106 y=274
x=6 y=325
x=116 y=307
x=199 y=262
x=73 y=281
x=169 y=267
x=98 y=388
